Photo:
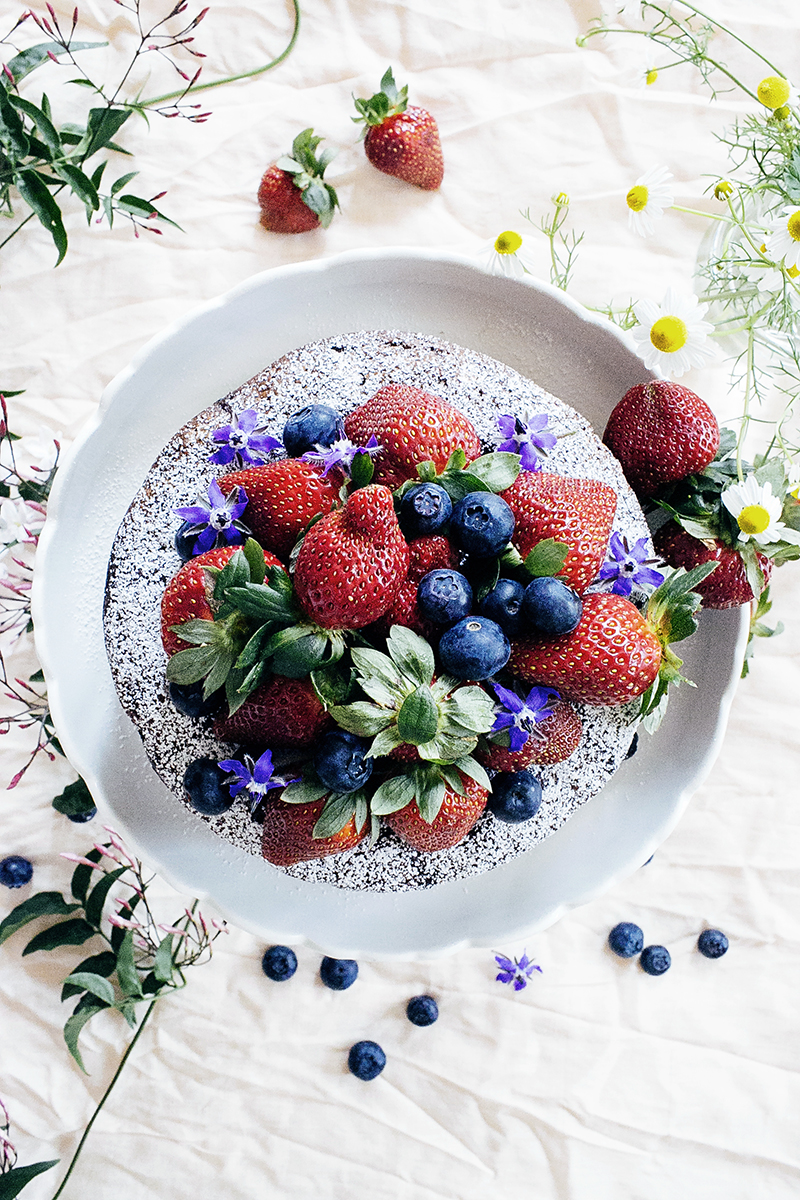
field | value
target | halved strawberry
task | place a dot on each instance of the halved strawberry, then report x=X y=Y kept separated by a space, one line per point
x=352 y=562
x=412 y=426
x=550 y=741
x=611 y=657
x=400 y=140
x=187 y=594
x=282 y=497
x=576 y=512
x=661 y=432
x=450 y=826
x=727 y=586
x=283 y=712
x=288 y=837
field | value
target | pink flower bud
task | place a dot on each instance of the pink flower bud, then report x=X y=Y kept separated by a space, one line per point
x=122 y=923
x=84 y=862
x=7 y=71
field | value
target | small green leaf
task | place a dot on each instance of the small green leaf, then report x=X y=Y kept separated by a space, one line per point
x=497 y=470
x=162 y=964
x=190 y=666
x=103 y=964
x=82 y=875
x=36 y=194
x=546 y=558
x=75 y=799
x=101 y=127
x=96 y=985
x=418 y=718
x=304 y=791
x=392 y=795
x=362 y=470
x=411 y=654
x=426 y=472
x=75 y=1024
x=255 y=560
x=99 y=893
x=22 y=64
x=470 y=766
x=430 y=795
x=122 y=182
x=337 y=811
x=459 y=484
x=13 y=1181
x=66 y=933
x=127 y=974
x=361 y=717
x=43 y=904
x=80 y=184
x=384 y=742
x=333 y=685
x=44 y=125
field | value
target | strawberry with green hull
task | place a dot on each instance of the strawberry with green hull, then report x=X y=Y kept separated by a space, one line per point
x=401 y=139
x=293 y=195
x=282 y=498
x=289 y=832
x=551 y=741
x=578 y=513
x=412 y=427
x=728 y=586
x=458 y=812
x=661 y=432
x=352 y=562
x=282 y=712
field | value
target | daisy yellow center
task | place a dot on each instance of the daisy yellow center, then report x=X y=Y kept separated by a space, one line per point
x=793 y=272
x=651 y=76
x=754 y=518
x=508 y=242
x=793 y=225
x=669 y=334
x=637 y=198
x=773 y=91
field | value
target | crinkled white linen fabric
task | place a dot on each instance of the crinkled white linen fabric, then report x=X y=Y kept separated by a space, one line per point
x=597 y=1082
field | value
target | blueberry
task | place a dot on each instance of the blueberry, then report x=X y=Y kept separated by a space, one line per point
x=626 y=939
x=503 y=605
x=341 y=761
x=712 y=943
x=516 y=797
x=313 y=425
x=80 y=818
x=481 y=524
x=475 y=648
x=366 y=1060
x=550 y=607
x=338 y=973
x=634 y=746
x=184 y=541
x=15 y=871
x=424 y=509
x=188 y=699
x=203 y=783
x=279 y=963
x=655 y=960
x=444 y=596
x=422 y=1010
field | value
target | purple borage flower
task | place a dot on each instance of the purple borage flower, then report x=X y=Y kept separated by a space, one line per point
x=627 y=566
x=243 y=441
x=517 y=972
x=520 y=716
x=255 y=778
x=341 y=453
x=217 y=519
x=528 y=438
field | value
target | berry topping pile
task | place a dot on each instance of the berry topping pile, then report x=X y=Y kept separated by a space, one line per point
x=397 y=625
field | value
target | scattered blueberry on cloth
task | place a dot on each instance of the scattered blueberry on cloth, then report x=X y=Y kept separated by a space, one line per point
x=15 y=871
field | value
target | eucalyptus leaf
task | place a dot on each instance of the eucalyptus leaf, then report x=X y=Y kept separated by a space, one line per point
x=120 y=183
x=74 y=932
x=43 y=904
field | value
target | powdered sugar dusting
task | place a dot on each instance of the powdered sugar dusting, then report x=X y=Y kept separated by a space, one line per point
x=345 y=371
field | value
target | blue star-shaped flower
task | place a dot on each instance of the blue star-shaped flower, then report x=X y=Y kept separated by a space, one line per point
x=627 y=566
x=254 y=777
x=243 y=441
x=520 y=716
x=217 y=519
x=528 y=438
x=340 y=453
x=517 y=972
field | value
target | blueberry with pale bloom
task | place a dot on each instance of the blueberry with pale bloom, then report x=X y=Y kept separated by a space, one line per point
x=422 y=1010
x=244 y=441
x=340 y=453
x=256 y=777
x=218 y=521
x=205 y=787
x=550 y=607
x=655 y=960
x=518 y=971
x=338 y=974
x=15 y=871
x=626 y=939
x=628 y=566
x=279 y=963
x=529 y=438
x=515 y=797
x=312 y=425
x=712 y=943
x=366 y=1060
x=520 y=717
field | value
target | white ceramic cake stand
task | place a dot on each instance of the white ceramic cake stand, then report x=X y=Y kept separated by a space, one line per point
x=533 y=328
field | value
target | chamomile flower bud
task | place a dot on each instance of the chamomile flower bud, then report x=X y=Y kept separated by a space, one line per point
x=647 y=199
x=774 y=91
x=508 y=256
x=723 y=189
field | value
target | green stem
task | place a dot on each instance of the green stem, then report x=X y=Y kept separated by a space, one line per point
x=14 y=232
x=698 y=212
x=745 y=419
x=731 y=34
x=204 y=87
x=105 y=1096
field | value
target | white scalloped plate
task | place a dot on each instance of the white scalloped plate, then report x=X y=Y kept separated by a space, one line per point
x=526 y=324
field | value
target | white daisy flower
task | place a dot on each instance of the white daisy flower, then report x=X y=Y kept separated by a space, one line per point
x=670 y=336
x=784 y=239
x=775 y=91
x=508 y=255
x=793 y=480
x=758 y=513
x=647 y=199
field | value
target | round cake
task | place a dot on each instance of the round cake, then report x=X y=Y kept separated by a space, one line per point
x=346 y=374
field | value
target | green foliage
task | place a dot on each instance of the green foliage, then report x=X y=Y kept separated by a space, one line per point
x=74 y=800
x=13 y=1181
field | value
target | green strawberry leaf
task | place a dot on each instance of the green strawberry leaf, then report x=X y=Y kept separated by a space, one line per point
x=392 y=795
x=411 y=654
x=447 y=748
x=337 y=811
x=255 y=560
x=430 y=789
x=546 y=558
x=384 y=742
x=361 y=470
x=196 y=631
x=470 y=766
x=372 y=664
x=190 y=666
x=418 y=718
x=497 y=470
x=304 y=791
x=361 y=717
x=453 y=779
x=459 y=484
x=333 y=685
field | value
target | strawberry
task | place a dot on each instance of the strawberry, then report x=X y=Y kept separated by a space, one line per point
x=282 y=497
x=400 y=140
x=283 y=712
x=352 y=561
x=427 y=554
x=577 y=512
x=412 y=426
x=450 y=826
x=661 y=432
x=612 y=656
x=288 y=838
x=187 y=594
x=551 y=741
x=292 y=195
x=727 y=586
